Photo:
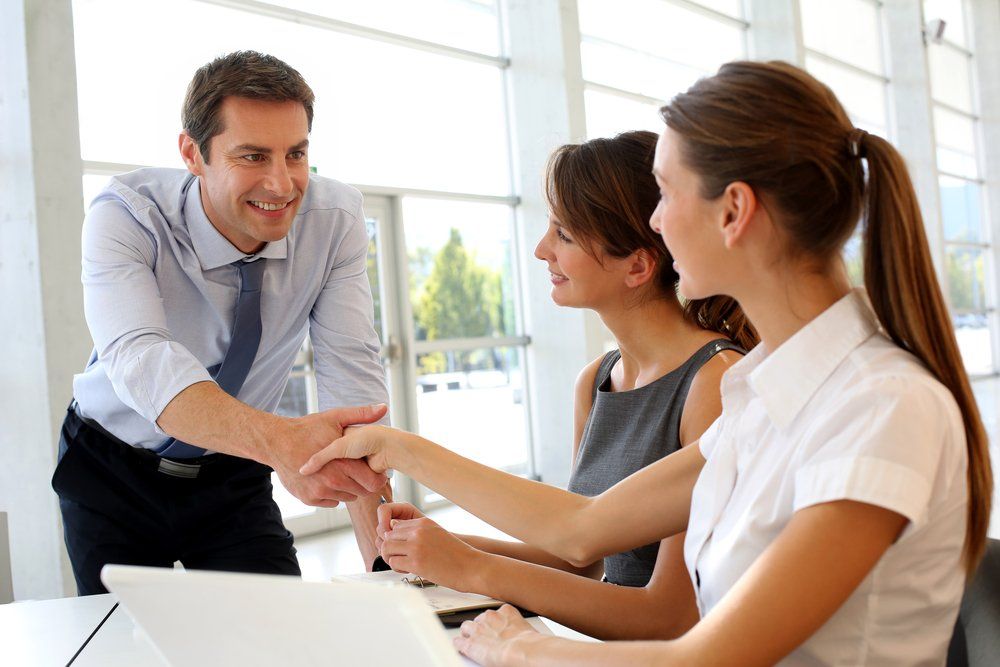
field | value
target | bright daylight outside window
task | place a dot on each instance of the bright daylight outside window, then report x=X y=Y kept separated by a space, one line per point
x=637 y=54
x=393 y=116
x=844 y=50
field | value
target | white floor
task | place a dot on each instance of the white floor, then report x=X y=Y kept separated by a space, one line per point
x=324 y=555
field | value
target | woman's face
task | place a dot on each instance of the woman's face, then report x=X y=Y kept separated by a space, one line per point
x=578 y=279
x=689 y=225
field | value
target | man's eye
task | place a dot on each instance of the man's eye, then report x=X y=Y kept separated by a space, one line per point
x=297 y=155
x=254 y=157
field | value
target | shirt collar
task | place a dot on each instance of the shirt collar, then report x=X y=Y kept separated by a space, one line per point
x=788 y=377
x=214 y=249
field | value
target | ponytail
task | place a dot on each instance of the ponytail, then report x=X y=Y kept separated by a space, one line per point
x=905 y=294
x=724 y=315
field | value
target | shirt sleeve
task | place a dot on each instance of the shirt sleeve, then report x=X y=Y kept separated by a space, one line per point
x=345 y=345
x=882 y=446
x=124 y=312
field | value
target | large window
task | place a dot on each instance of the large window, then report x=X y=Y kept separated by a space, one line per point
x=967 y=254
x=410 y=109
x=637 y=54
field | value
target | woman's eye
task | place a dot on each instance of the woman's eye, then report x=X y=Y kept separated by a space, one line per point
x=563 y=237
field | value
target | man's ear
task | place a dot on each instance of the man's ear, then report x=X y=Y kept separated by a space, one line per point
x=739 y=205
x=190 y=153
x=641 y=268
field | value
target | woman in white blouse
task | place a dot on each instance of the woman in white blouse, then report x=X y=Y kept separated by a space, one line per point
x=835 y=508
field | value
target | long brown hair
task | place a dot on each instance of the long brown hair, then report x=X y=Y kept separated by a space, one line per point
x=776 y=128
x=603 y=192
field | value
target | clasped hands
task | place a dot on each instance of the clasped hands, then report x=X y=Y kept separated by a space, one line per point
x=336 y=480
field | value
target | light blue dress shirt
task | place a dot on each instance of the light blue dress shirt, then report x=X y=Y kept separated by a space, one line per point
x=160 y=300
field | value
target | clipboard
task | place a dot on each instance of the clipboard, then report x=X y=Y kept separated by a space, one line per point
x=442 y=600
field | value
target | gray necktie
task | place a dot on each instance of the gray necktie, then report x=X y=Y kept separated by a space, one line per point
x=233 y=370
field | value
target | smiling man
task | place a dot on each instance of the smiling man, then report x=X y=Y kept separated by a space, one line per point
x=199 y=288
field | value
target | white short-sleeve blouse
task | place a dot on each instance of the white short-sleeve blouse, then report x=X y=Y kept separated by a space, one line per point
x=839 y=412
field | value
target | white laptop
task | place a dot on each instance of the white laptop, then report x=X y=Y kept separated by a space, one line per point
x=222 y=618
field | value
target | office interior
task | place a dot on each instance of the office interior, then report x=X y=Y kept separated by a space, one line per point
x=443 y=114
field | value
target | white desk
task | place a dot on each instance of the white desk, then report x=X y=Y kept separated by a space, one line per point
x=48 y=633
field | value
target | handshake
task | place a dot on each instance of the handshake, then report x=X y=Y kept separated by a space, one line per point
x=303 y=451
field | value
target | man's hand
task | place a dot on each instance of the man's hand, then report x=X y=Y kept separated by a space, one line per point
x=338 y=480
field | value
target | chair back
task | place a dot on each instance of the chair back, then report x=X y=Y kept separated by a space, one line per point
x=976 y=642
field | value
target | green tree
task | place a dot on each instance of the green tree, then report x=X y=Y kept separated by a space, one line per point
x=460 y=299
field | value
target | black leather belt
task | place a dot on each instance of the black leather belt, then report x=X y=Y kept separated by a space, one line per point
x=185 y=468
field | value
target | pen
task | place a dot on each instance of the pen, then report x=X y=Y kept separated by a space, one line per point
x=379 y=564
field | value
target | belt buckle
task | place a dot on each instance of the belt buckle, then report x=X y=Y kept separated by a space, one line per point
x=176 y=469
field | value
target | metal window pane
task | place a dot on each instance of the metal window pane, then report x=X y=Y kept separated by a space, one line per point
x=951 y=76
x=863 y=97
x=847 y=30
x=974 y=342
x=458 y=393
x=471 y=24
x=732 y=8
x=961 y=210
x=967 y=286
x=369 y=95
x=663 y=29
x=955 y=135
x=634 y=71
x=608 y=115
x=460 y=266
x=953 y=13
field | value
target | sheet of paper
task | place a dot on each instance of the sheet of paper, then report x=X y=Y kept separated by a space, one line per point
x=441 y=599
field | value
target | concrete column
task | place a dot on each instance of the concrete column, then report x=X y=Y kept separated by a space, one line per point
x=45 y=338
x=545 y=92
x=911 y=112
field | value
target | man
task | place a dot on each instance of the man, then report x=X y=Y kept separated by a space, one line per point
x=199 y=287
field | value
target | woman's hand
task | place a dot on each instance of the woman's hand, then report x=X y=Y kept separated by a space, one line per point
x=495 y=638
x=371 y=442
x=424 y=548
x=389 y=511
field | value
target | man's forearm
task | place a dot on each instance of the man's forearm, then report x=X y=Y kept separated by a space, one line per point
x=206 y=416
x=364 y=519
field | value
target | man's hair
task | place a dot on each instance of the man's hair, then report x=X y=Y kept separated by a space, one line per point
x=250 y=74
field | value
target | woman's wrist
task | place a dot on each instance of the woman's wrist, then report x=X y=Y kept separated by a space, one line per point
x=526 y=649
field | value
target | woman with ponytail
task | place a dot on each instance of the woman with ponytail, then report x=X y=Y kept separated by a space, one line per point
x=836 y=507
x=658 y=391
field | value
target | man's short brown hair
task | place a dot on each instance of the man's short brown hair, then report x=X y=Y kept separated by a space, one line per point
x=248 y=74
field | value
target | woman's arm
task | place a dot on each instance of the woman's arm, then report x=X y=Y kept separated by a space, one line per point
x=583 y=401
x=663 y=609
x=797 y=584
x=641 y=509
x=529 y=554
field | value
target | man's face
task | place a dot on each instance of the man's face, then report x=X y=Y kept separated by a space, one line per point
x=258 y=173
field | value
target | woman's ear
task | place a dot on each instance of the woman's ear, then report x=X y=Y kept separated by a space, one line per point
x=641 y=268
x=739 y=204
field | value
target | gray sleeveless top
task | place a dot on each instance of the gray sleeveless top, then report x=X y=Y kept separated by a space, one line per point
x=625 y=432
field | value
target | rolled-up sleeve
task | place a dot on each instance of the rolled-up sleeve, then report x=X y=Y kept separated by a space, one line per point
x=890 y=441
x=124 y=312
x=345 y=344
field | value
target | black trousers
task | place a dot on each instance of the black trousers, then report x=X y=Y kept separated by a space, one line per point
x=117 y=507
